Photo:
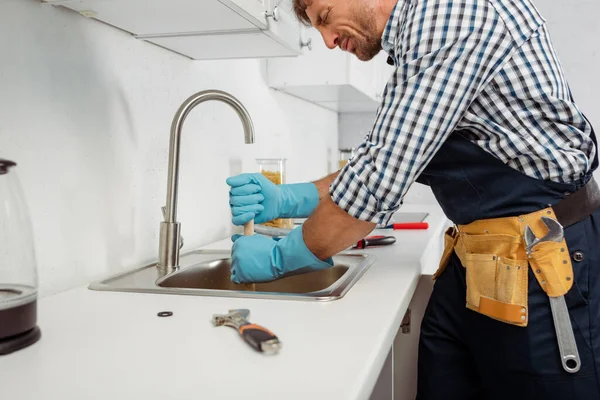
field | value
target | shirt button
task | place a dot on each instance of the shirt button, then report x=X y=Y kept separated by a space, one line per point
x=578 y=256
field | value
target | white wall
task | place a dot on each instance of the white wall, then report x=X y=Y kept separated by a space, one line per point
x=85 y=110
x=575 y=30
x=353 y=128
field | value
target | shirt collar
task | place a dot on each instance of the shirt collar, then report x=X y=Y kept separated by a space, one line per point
x=390 y=33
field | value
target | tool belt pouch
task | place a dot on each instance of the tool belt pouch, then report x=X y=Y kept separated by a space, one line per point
x=496 y=275
x=450 y=238
x=552 y=267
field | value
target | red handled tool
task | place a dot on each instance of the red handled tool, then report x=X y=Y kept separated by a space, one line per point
x=255 y=335
x=372 y=241
x=408 y=225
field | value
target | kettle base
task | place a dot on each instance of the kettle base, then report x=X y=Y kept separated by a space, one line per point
x=18 y=342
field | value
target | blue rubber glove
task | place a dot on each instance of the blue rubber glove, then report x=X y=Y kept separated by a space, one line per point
x=259 y=258
x=253 y=196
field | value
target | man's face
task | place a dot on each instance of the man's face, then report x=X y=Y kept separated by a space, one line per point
x=347 y=24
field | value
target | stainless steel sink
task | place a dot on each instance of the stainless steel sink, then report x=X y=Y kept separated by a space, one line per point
x=207 y=273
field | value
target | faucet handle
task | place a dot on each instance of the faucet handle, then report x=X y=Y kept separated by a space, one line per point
x=164 y=214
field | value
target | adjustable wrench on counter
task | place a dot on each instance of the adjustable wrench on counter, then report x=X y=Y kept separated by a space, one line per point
x=256 y=336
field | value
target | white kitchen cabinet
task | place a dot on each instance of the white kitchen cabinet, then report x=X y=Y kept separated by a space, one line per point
x=331 y=78
x=205 y=29
x=398 y=377
x=406 y=344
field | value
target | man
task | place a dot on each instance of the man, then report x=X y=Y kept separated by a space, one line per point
x=477 y=108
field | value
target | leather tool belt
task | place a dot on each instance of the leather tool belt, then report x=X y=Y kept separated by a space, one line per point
x=493 y=253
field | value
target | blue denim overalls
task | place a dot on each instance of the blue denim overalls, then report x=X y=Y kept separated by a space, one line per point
x=466 y=355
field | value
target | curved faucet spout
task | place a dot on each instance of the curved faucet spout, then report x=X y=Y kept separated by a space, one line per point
x=169 y=229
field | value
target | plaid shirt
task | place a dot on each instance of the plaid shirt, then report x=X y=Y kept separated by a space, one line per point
x=488 y=66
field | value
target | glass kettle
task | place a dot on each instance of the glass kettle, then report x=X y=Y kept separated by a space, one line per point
x=18 y=269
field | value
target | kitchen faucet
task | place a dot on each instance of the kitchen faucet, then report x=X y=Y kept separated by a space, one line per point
x=170 y=240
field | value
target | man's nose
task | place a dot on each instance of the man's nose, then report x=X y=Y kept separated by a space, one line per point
x=331 y=39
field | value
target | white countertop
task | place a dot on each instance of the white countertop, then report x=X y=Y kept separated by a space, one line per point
x=109 y=345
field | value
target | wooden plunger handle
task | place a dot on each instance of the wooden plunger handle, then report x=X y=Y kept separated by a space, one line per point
x=249 y=228
x=249 y=231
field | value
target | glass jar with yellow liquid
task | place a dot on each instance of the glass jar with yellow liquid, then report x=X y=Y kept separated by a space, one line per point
x=274 y=169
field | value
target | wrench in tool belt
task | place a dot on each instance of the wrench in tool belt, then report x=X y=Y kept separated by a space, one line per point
x=560 y=313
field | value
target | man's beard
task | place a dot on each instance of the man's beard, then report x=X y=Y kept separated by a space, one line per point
x=367 y=46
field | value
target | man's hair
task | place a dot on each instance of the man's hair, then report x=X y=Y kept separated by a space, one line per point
x=300 y=11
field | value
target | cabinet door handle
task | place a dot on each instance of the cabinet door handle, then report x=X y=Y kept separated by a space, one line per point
x=273 y=14
x=308 y=44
